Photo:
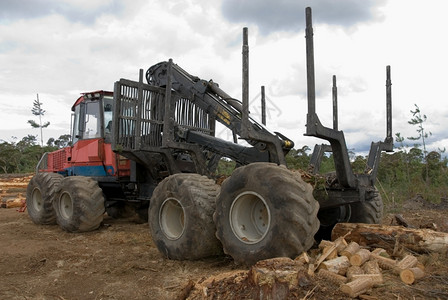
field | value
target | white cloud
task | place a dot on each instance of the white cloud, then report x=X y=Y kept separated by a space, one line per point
x=47 y=50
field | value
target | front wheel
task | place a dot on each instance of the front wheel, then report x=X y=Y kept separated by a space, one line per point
x=40 y=194
x=80 y=204
x=265 y=211
x=180 y=217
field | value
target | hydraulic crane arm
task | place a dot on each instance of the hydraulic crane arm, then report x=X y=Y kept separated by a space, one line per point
x=213 y=100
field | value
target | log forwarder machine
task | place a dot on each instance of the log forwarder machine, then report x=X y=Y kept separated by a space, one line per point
x=152 y=146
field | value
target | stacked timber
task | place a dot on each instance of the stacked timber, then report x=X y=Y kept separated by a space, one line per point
x=353 y=266
x=356 y=269
x=13 y=190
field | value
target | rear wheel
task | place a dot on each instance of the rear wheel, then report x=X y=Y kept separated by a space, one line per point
x=265 y=211
x=40 y=194
x=369 y=211
x=329 y=218
x=180 y=217
x=80 y=204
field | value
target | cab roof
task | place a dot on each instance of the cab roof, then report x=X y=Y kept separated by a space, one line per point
x=92 y=96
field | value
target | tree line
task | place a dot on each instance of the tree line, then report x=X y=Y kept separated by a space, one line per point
x=23 y=156
x=401 y=175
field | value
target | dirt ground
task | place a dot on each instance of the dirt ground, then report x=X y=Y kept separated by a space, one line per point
x=120 y=261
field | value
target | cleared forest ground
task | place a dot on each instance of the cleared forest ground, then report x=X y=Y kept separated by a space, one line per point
x=120 y=261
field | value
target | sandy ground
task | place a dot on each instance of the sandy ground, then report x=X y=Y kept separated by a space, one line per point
x=119 y=261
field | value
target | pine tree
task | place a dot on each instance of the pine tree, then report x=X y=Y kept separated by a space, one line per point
x=38 y=111
x=418 y=119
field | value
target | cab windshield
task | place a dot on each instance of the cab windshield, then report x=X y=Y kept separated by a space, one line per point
x=93 y=119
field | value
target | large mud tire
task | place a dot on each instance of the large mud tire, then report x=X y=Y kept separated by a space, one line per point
x=180 y=217
x=370 y=211
x=79 y=206
x=265 y=211
x=40 y=194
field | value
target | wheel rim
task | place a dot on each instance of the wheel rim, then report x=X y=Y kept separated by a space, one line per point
x=66 y=205
x=37 y=199
x=250 y=217
x=172 y=218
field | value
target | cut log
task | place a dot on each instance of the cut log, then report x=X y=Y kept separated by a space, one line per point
x=341 y=243
x=376 y=279
x=332 y=277
x=409 y=276
x=357 y=287
x=380 y=252
x=371 y=267
x=409 y=261
x=375 y=235
x=384 y=262
x=14 y=184
x=353 y=270
x=351 y=249
x=360 y=257
x=324 y=244
x=19 y=202
x=338 y=265
x=329 y=249
x=323 y=257
x=303 y=258
x=332 y=252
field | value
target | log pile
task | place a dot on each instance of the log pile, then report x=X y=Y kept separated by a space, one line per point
x=351 y=268
x=283 y=278
x=356 y=269
x=13 y=191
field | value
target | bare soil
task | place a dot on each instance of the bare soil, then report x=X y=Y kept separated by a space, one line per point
x=120 y=261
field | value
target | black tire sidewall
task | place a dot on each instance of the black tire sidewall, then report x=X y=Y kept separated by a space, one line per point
x=88 y=204
x=48 y=185
x=197 y=239
x=369 y=211
x=275 y=242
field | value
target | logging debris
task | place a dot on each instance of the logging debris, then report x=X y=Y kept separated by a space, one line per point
x=352 y=268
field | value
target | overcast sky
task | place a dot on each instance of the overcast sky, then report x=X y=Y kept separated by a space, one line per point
x=60 y=48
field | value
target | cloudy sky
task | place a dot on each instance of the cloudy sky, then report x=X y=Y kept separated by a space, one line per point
x=60 y=48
